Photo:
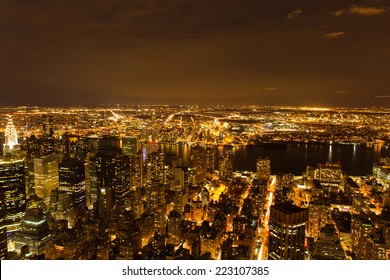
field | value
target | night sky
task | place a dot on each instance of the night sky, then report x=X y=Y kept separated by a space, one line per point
x=275 y=52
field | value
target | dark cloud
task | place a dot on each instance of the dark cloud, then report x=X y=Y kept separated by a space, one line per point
x=193 y=52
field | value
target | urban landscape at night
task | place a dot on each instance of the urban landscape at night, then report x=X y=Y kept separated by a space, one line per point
x=146 y=138
x=195 y=183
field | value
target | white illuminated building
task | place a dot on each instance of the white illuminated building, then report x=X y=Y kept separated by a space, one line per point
x=11 y=137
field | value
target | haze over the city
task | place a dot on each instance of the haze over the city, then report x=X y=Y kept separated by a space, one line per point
x=311 y=53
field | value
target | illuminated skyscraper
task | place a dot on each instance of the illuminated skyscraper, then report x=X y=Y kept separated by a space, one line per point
x=34 y=230
x=12 y=180
x=226 y=167
x=46 y=176
x=130 y=145
x=109 y=178
x=174 y=228
x=48 y=135
x=154 y=168
x=287 y=232
x=11 y=139
x=156 y=205
x=72 y=180
x=362 y=228
x=199 y=163
x=263 y=168
x=319 y=214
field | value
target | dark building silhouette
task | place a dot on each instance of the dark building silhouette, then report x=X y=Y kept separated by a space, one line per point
x=287 y=232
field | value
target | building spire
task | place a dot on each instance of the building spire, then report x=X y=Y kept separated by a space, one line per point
x=11 y=137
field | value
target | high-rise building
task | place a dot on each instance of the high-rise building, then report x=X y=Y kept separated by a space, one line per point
x=72 y=180
x=263 y=168
x=11 y=144
x=362 y=228
x=137 y=170
x=319 y=215
x=48 y=141
x=287 y=232
x=12 y=180
x=109 y=178
x=328 y=245
x=34 y=231
x=46 y=176
x=226 y=167
x=154 y=168
x=174 y=228
x=199 y=164
x=156 y=205
x=130 y=145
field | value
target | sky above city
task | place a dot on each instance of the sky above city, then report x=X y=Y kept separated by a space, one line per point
x=275 y=52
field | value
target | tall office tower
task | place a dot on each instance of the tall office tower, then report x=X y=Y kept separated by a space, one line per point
x=46 y=176
x=72 y=180
x=263 y=168
x=109 y=178
x=137 y=170
x=361 y=228
x=154 y=168
x=328 y=245
x=287 y=232
x=174 y=228
x=156 y=205
x=12 y=180
x=69 y=145
x=258 y=196
x=199 y=164
x=130 y=145
x=48 y=141
x=34 y=231
x=330 y=175
x=226 y=167
x=210 y=158
x=47 y=125
x=319 y=216
x=33 y=148
x=180 y=177
x=3 y=229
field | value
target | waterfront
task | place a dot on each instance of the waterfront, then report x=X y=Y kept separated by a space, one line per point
x=294 y=158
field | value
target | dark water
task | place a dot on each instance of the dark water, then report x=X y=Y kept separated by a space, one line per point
x=294 y=158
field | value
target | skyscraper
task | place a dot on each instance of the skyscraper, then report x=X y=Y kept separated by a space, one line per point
x=226 y=167
x=328 y=245
x=12 y=180
x=48 y=135
x=109 y=178
x=263 y=168
x=46 y=176
x=34 y=230
x=130 y=145
x=287 y=232
x=72 y=180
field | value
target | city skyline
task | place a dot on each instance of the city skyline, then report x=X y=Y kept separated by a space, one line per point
x=328 y=53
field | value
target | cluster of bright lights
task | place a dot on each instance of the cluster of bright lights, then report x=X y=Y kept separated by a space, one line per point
x=11 y=137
